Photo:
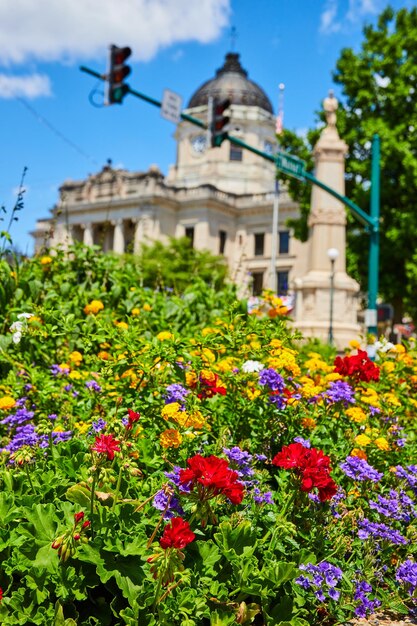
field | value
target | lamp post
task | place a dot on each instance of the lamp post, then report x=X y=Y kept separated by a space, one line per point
x=332 y=253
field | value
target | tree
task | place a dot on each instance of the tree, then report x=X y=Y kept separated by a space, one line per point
x=379 y=86
x=176 y=264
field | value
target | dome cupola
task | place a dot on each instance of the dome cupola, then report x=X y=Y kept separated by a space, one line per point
x=231 y=81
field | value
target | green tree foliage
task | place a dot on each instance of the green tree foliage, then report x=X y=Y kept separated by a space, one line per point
x=379 y=96
x=177 y=264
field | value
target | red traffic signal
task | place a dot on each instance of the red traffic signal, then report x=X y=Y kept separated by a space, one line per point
x=218 y=121
x=118 y=71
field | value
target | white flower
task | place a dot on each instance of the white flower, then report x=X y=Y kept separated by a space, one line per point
x=17 y=337
x=25 y=315
x=16 y=326
x=384 y=346
x=252 y=366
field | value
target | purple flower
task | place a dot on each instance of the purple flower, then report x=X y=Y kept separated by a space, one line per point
x=262 y=498
x=339 y=391
x=366 y=605
x=93 y=385
x=241 y=459
x=409 y=475
x=17 y=418
x=304 y=442
x=59 y=436
x=322 y=579
x=99 y=425
x=174 y=477
x=167 y=503
x=379 y=531
x=407 y=574
x=398 y=505
x=175 y=393
x=273 y=380
x=359 y=469
x=56 y=370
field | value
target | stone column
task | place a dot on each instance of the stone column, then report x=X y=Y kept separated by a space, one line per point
x=118 y=237
x=327 y=229
x=88 y=238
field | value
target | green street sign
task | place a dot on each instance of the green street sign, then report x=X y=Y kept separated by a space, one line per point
x=291 y=165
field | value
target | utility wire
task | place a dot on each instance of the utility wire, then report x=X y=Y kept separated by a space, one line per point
x=56 y=132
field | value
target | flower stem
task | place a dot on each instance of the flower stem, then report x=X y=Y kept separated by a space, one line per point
x=30 y=479
x=116 y=493
x=93 y=493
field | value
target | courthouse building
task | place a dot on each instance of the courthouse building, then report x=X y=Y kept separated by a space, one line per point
x=221 y=198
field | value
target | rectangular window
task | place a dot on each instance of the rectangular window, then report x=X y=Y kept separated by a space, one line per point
x=284 y=241
x=189 y=232
x=282 y=279
x=222 y=241
x=259 y=244
x=236 y=153
x=257 y=283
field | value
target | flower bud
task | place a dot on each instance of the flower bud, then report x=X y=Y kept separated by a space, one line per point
x=78 y=516
x=77 y=536
x=86 y=524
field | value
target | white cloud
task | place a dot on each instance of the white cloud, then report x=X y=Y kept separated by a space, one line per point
x=30 y=86
x=70 y=30
x=328 y=21
x=334 y=18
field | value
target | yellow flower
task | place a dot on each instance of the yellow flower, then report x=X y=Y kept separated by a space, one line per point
x=170 y=411
x=164 y=335
x=135 y=311
x=356 y=414
x=46 y=260
x=252 y=393
x=361 y=454
x=76 y=357
x=74 y=375
x=382 y=443
x=354 y=344
x=93 y=307
x=226 y=365
x=7 y=402
x=388 y=366
x=147 y=307
x=196 y=420
x=392 y=399
x=363 y=440
x=121 y=325
x=170 y=438
x=275 y=343
x=399 y=348
x=191 y=379
x=82 y=427
x=103 y=355
x=308 y=422
x=370 y=396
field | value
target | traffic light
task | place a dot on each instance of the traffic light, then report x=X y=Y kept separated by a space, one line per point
x=118 y=71
x=218 y=121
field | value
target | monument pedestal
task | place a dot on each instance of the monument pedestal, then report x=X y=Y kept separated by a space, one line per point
x=326 y=297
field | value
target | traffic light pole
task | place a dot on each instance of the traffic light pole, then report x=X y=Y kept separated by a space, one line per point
x=292 y=166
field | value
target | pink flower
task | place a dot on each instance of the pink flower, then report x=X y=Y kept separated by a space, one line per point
x=106 y=444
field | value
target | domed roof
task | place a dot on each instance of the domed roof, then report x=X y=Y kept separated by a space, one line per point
x=231 y=81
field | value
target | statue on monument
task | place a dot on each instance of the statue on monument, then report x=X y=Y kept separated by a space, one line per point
x=330 y=105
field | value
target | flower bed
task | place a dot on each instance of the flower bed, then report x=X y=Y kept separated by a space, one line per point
x=175 y=460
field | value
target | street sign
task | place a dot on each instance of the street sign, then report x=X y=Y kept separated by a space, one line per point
x=291 y=165
x=171 y=106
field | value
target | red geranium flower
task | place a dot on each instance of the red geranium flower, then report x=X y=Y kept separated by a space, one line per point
x=311 y=465
x=78 y=516
x=106 y=444
x=177 y=534
x=359 y=366
x=215 y=476
x=1 y=594
x=133 y=417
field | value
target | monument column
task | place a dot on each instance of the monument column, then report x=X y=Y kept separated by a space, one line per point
x=88 y=239
x=327 y=229
x=118 y=237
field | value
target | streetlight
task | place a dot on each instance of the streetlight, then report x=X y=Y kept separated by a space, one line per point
x=332 y=253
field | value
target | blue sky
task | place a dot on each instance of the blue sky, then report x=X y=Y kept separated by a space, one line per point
x=49 y=124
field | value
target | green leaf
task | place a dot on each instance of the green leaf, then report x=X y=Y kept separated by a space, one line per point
x=79 y=494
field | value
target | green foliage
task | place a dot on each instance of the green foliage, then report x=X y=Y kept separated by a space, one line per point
x=177 y=264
